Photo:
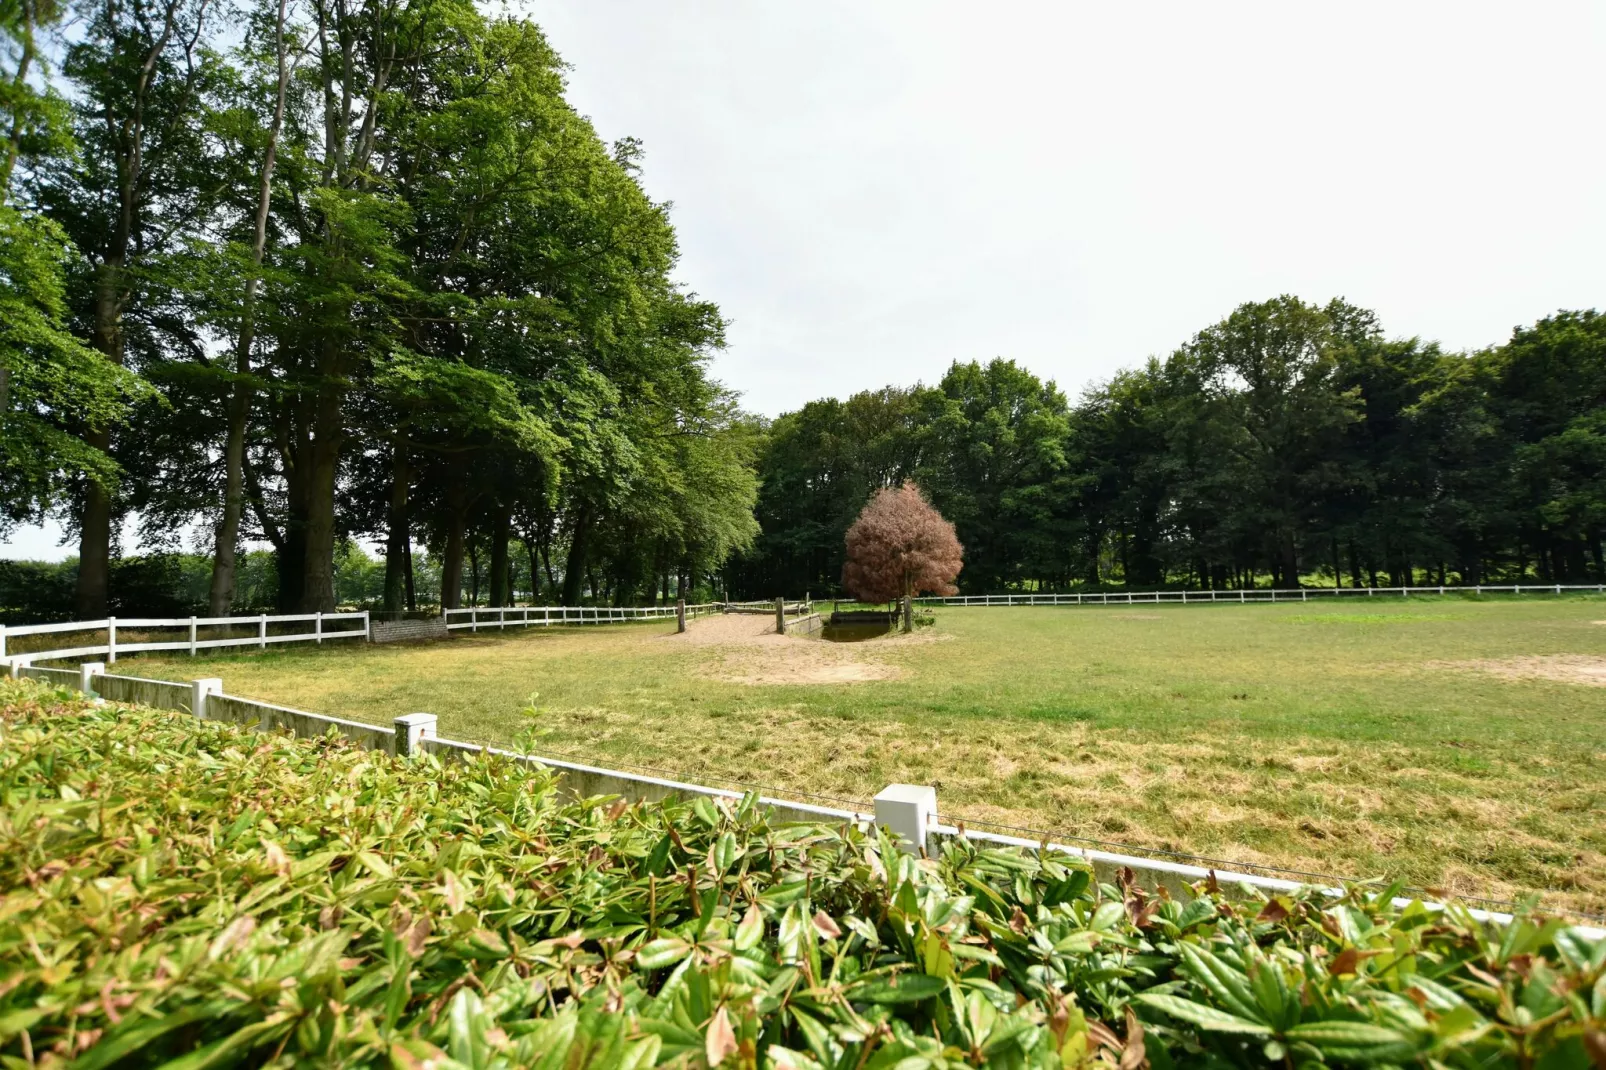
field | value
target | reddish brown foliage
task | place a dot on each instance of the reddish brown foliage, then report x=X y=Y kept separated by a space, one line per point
x=901 y=545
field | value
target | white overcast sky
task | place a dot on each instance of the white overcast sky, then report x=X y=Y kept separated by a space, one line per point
x=872 y=190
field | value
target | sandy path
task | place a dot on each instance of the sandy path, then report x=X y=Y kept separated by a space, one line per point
x=745 y=649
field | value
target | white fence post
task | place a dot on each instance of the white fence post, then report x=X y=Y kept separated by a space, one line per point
x=2 y=642
x=192 y=637
x=367 y=626
x=199 y=689
x=87 y=673
x=111 y=640
x=908 y=811
x=262 y=632
x=411 y=730
x=317 y=627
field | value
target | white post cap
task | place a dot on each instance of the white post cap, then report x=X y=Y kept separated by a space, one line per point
x=411 y=730
x=87 y=673
x=907 y=810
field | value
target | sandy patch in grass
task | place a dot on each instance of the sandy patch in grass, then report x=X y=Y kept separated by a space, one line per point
x=1563 y=668
x=748 y=651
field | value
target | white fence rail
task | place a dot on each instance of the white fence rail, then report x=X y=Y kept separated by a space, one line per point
x=907 y=811
x=1252 y=594
x=791 y=609
x=191 y=640
x=544 y=616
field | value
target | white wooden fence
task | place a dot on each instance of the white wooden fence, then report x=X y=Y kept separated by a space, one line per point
x=543 y=616
x=1252 y=594
x=191 y=640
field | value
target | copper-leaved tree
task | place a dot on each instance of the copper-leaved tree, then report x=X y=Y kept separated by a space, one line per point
x=901 y=546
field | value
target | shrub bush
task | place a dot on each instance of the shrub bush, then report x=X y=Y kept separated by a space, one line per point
x=192 y=895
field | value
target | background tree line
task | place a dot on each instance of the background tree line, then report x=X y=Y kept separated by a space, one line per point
x=1288 y=443
x=315 y=270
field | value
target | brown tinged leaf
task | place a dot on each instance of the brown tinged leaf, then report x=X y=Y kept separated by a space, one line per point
x=1133 y=1056
x=1595 y=1045
x=278 y=861
x=1347 y=961
x=1104 y=1035
x=417 y=937
x=825 y=926
x=720 y=1040
x=1273 y=912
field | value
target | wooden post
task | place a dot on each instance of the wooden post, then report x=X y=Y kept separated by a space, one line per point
x=262 y=632
x=317 y=627
x=192 y=637
x=680 y=615
x=780 y=616
x=111 y=640
x=908 y=614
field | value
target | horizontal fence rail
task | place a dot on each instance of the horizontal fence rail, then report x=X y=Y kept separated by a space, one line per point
x=1250 y=594
x=907 y=811
x=543 y=616
x=257 y=625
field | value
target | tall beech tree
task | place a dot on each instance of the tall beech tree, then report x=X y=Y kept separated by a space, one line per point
x=128 y=198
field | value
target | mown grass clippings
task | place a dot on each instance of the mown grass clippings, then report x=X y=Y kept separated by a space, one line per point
x=184 y=894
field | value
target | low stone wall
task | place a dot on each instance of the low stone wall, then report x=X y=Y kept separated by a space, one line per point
x=158 y=693
x=408 y=631
x=62 y=677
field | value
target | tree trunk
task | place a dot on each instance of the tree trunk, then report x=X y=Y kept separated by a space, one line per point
x=398 y=568
x=575 y=566
x=501 y=573
x=318 y=584
x=474 y=571
x=292 y=556
x=535 y=572
x=221 y=595
x=412 y=598
x=94 y=542
x=1289 y=551
x=95 y=519
x=452 y=559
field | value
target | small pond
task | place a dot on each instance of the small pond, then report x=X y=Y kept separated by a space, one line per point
x=854 y=633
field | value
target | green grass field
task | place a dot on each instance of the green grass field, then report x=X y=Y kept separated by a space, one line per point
x=1446 y=741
